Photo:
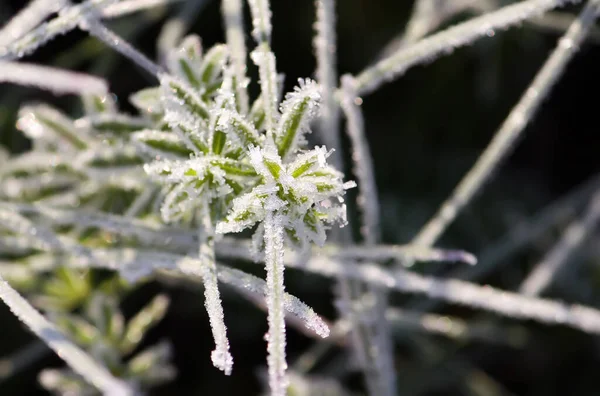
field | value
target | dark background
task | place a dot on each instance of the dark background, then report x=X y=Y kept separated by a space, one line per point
x=425 y=132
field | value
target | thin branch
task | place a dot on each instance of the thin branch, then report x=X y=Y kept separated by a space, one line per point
x=325 y=46
x=52 y=79
x=495 y=256
x=28 y=18
x=368 y=199
x=511 y=129
x=264 y=58
x=445 y=42
x=232 y=11
x=221 y=357
x=68 y=20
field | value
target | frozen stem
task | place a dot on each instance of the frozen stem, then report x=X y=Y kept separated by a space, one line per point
x=221 y=357
x=275 y=303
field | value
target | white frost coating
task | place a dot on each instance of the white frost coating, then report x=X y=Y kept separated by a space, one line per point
x=28 y=18
x=512 y=128
x=277 y=364
x=77 y=359
x=261 y=20
x=265 y=60
x=221 y=357
x=446 y=41
x=67 y=20
x=52 y=79
x=292 y=304
x=232 y=11
x=368 y=199
x=299 y=108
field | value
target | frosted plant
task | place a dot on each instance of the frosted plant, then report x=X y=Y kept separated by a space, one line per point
x=102 y=330
x=206 y=159
x=209 y=127
x=294 y=201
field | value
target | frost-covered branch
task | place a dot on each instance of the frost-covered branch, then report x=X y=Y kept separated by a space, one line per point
x=52 y=79
x=233 y=17
x=512 y=128
x=368 y=199
x=265 y=60
x=381 y=377
x=325 y=45
x=27 y=19
x=448 y=40
x=221 y=357
x=68 y=20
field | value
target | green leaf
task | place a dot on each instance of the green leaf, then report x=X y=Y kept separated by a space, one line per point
x=219 y=139
x=180 y=97
x=45 y=123
x=212 y=65
x=116 y=124
x=147 y=101
x=164 y=144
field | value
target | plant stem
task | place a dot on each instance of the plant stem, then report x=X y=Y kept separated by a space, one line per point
x=221 y=357
x=276 y=336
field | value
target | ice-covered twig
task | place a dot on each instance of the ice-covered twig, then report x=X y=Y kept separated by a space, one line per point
x=221 y=357
x=27 y=19
x=52 y=79
x=325 y=45
x=368 y=199
x=67 y=20
x=265 y=60
x=511 y=129
x=448 y=40
x=233 y=17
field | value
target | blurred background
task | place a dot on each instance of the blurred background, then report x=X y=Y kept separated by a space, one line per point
x=425 y=131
